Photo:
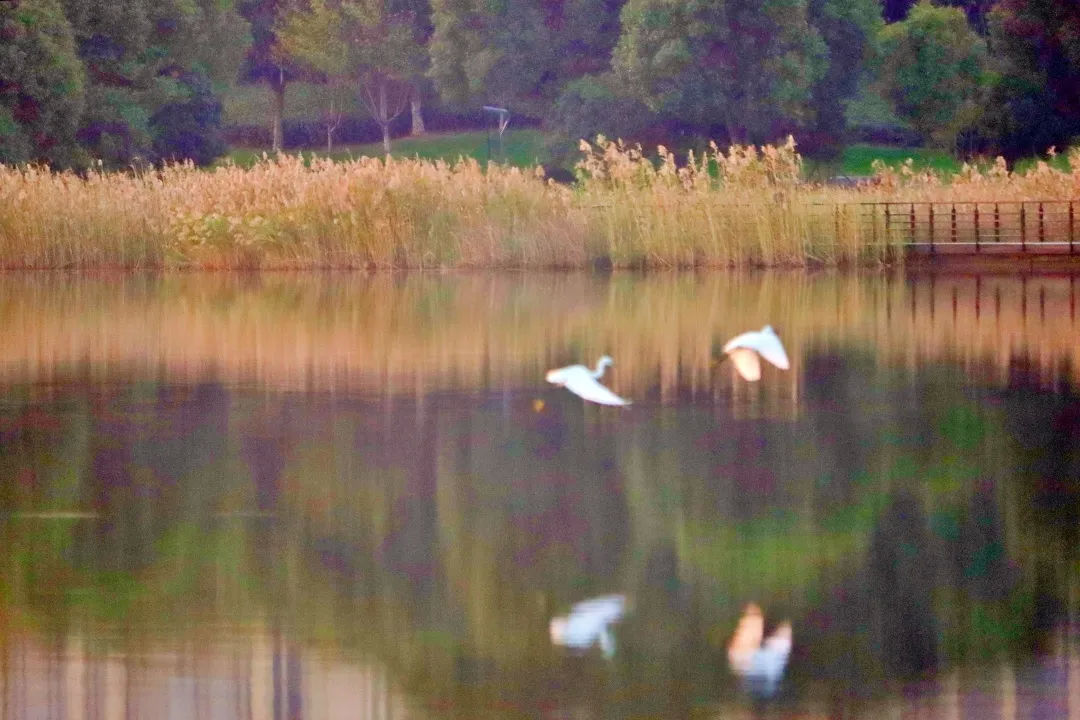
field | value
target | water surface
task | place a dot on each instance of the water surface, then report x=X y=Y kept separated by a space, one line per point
x=330 y=496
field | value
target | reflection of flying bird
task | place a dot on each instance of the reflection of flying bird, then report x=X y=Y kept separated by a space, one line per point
x=589 y=623
x=744 y=351
x=582 y=381
x=759 y=663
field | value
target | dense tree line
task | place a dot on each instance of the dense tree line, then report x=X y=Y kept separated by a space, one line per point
x=129 y=81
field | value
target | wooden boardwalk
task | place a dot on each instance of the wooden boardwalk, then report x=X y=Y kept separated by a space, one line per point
x=1007 y=228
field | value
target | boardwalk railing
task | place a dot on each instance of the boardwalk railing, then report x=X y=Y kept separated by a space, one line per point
x=1036 y=226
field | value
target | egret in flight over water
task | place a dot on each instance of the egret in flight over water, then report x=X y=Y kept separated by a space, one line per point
x=582 y=381
x=744 y=351
x=759 y=662
x=589 y=624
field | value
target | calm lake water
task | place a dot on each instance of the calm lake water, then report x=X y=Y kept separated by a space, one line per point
x=349 y=496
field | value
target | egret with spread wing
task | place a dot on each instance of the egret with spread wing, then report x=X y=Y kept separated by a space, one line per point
x=744 y=351
x=759 y=662
x=582 y=381
x=589 y=624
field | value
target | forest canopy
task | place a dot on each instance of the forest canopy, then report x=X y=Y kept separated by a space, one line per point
x=123 y=82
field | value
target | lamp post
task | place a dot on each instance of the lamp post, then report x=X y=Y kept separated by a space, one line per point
x=503 y=117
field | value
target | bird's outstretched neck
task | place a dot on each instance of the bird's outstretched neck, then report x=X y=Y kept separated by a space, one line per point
x=601 y=364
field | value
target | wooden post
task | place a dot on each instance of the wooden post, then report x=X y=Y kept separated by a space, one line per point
x=911 y=226
x=1042 y=224
x=1023 y=298
x=1072 y=226
x=978 y=293
x=997 y=223
x=976 y=235
x=953 y=222
x=1023 y=227
x=931 y=216
x=873 y=224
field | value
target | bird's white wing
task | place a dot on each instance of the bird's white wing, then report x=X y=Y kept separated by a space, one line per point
x=746 y=641
x=559 y=376
x=769 y=662
x=745 y=340
x=770 y=347
x=779 y=642
x=584 y=386
x=746 y=362
x=605 y=608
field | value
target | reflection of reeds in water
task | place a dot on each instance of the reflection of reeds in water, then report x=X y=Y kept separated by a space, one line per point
x=255 y=676
x=411 y=334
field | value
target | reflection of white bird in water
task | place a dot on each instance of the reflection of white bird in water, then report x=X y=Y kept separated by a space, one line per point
x=582 y=381
x=744 y=351
x=760 y=664
x=589 y=623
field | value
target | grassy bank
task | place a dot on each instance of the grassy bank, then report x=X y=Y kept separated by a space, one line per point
x=521 y=148
x=745 y=206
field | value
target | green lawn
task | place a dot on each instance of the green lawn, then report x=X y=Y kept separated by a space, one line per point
x=858 y=160
x=1058 y=162
x=523 y=148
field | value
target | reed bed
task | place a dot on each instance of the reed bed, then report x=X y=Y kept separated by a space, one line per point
x=745 y=206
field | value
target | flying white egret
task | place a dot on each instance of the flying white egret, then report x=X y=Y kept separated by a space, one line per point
x=589 y=624
x=759 y=663
x=582 y=381
x=744 y=351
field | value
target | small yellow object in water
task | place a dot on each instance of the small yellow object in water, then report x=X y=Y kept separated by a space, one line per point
x=538 y=405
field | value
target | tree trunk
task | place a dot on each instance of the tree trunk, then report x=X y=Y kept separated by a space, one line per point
x=376 y=94
x=277 y=113
x=384 y=116
x=417 y=117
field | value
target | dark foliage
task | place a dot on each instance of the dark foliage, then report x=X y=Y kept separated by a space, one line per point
x=190 y=129
x=1036 y=103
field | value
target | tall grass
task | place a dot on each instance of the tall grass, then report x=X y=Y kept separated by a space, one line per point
x=744 y=206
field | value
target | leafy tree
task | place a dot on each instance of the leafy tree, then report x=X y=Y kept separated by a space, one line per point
x=748 y=65
x=934 y=70
x=134 y=52
x=366 y=41
x=419 y=13
x=41 y=84
x=594 y=105
x=113 y=39
x=189 y=127
x=518 y=53
x=849 y=29
x=266 y=61
x=208 y=37
x=1036 y=104
x=976 y=11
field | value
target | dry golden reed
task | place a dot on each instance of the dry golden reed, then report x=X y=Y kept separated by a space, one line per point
x=745 y=206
